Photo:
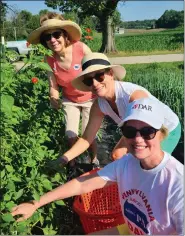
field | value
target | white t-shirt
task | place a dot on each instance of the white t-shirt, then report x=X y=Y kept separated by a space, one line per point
x=123 y=91
x=152 y=201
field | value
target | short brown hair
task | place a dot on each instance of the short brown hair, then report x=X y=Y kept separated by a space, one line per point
x=53 y=15
x=50 y=15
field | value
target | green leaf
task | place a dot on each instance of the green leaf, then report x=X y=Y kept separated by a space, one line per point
x=18 y=194
x=8 y=217
x=47 y=184
x=44 y=66
x=35 y=195
x=41 y=220
x=2 y=173
x=16 y=179
x=49 y=231
x=10 y=205
x=7 y=103
x=35 y=217
x=9 y=168
x=11 y=186
x=21 y=227
x=56 y=178
x=31 y=163
x=60 y=203
x=33 y=173
x=7 y=197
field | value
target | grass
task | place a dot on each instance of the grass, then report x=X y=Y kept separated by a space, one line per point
x=141 y=53
x=173 y=66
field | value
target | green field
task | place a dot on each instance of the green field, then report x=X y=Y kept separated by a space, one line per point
x=168 y=41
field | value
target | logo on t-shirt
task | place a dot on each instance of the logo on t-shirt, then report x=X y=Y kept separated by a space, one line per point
x=136 y=216
x=76 y=66
x=142 y=107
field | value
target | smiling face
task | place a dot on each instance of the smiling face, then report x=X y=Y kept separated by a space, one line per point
x=147 y=151
x=58 y=43
x=102 y=82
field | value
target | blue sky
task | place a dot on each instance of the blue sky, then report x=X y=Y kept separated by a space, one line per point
x=130 y=10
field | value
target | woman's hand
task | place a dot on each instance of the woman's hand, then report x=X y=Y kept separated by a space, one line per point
x=55 y=103
x=24 y=209
x=58 y=163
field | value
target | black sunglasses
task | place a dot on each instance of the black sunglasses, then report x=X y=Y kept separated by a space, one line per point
x=88 y=81
x=146 y=132
x=56 y=35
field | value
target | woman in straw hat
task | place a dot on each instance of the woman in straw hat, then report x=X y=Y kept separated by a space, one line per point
x=62 y=38
x=150 y=181
x=102 y=79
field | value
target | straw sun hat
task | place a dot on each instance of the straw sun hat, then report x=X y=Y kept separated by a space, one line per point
x=94 y=62
x=70 y=27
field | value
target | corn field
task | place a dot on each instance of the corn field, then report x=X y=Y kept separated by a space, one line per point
x=146 y=42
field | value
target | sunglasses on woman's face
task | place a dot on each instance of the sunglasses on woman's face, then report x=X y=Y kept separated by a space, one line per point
x=146 y=132
x=56 y=35
x=88 y=81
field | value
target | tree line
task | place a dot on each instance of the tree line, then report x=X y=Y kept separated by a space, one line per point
x=169 y=19
x=101 y=15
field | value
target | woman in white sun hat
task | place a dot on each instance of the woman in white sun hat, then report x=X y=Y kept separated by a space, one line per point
x=150 y=181
x=62 y=38
x=102 y=79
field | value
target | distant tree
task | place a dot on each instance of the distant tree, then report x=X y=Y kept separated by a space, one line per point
x=33 y=23
x=170 y=19
x=138 y=24
x=43 y=12
x=102 y=9
x=24 y=17
x=116 y=19
x=3 y=11
x=71 y=16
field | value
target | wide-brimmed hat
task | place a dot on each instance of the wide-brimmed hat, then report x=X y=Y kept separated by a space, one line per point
x=94 y=62
x=147 y=110
x=70 y=27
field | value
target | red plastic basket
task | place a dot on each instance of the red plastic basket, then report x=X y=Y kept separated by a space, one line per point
x=99 y=209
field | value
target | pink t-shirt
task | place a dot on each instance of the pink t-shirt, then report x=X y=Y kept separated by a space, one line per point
x=65 y=76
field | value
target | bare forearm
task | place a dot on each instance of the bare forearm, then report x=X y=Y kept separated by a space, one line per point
x=78 y=148
x=69 y=189
x=54 y=93
x=82 y=184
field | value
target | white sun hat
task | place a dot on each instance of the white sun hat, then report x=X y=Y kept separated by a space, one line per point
x=94 y=62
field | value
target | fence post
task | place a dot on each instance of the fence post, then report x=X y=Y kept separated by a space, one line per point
x=15 y=35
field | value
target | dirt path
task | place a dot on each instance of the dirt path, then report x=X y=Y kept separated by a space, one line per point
x=147 y=59
x=133 y=59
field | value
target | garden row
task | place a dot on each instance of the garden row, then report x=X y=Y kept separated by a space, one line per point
x=33 y=134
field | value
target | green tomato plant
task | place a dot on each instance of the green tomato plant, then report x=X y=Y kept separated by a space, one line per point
x=31 y=136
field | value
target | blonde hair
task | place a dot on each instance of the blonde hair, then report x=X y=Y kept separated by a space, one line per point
x=54 y=15
x=164 y=131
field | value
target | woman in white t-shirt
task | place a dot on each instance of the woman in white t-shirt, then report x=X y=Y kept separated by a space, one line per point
x=150 y=181
x=99 y=77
